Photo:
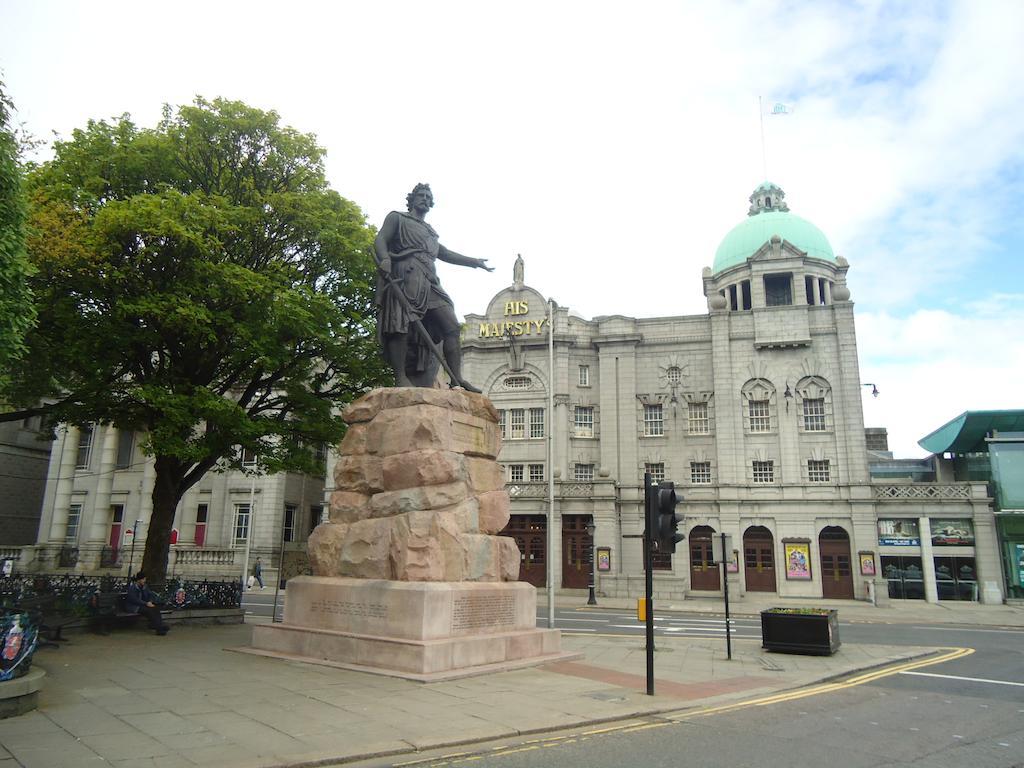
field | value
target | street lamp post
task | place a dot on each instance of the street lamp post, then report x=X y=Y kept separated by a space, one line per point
x=591 y=599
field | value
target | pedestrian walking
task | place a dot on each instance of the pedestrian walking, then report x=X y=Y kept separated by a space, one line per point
x=257 y=571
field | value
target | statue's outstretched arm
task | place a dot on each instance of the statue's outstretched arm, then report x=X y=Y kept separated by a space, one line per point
x=457 y=258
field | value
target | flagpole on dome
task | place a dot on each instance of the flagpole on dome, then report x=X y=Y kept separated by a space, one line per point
x=764 y=156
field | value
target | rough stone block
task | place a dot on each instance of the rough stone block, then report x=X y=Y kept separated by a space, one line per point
x=484 y=474
x=481 y=556
x=415 y=549
x=418 y=468
x=362 y=473
x=354 y=442
x=324 y=548
x=414 y=499
x=348 y=507
x=494 y=511
x=509 y=559
x=365 y=553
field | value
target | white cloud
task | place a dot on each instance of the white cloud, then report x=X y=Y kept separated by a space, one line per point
x=614 y=145
x=930 y=366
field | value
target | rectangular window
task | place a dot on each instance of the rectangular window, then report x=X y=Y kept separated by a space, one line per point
x=814 y=415
x=125 y=446
x=583 y=420
x=536 y=422
x=536 y=473
x=656 y=471
x=584 y=375
x=764 y=472
x=515 y=473
x=248 y=457
x=288 y=529
x=778 y=290
x=320 y=453
x=583 y=473
x=201 y=512
x=517 y=423
x=818 y=471
x=700 y=473
x=74 y=517
x=697 y=419
x=84 y=447
x=654 y=424
x=760 y=416
x=316 y=515
x=501 y=424
x=241 y=522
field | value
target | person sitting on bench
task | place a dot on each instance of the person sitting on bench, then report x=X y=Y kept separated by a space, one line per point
x=140 y=599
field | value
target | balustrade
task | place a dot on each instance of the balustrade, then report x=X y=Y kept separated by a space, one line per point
x=926 y=491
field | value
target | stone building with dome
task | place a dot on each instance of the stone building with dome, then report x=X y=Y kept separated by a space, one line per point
x=753 y=410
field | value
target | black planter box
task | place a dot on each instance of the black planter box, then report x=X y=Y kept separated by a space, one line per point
x=813 y=634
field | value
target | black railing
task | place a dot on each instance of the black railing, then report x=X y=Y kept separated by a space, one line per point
x=110 y=557
x=76 y=589
x=67 y=557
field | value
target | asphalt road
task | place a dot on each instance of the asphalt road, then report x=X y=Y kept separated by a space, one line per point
x=968 y=712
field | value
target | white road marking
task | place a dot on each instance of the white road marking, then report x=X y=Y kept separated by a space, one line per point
x=958 y=629
x=967 y=679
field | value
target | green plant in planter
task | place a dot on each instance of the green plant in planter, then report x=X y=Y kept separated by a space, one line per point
x=801 y=611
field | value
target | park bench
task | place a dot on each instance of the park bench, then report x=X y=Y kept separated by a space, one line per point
x=53 y=614
x=108 y=610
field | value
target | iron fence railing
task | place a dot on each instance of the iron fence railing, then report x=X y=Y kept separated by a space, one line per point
x=76 y=589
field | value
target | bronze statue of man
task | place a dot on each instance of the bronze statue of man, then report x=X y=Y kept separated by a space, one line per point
x=409 y=293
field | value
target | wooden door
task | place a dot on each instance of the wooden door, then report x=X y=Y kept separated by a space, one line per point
x=704 y=574
x=116 y=525
x=836 y=565
x=575 y=552
x=530 y=534
x=759 y=559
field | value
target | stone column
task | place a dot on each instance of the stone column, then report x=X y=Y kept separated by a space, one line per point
x=145 y=498
x=931 y=593
x=986 y=558
x=99 y=527
x=815 y=292
x=65 y=484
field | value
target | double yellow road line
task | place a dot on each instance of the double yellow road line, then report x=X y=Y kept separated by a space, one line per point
x=948 y=654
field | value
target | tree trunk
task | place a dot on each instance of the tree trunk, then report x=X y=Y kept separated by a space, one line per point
x=167 y=492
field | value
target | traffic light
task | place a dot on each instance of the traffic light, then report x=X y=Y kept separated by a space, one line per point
x=666 y=530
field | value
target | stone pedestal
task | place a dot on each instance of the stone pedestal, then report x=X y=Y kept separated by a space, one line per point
x=417 y=630
x=410 y=578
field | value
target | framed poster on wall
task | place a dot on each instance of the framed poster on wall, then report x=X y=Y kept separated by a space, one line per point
x=798 y=560
x=867 y=563
x=604 y=558
x=733 y=566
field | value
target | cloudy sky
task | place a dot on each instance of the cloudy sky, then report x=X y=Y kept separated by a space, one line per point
x=613 y=145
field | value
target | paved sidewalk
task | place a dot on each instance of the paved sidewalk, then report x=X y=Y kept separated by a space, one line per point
x=134 y=699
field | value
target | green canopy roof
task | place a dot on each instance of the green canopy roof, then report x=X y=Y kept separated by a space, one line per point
x=966 y=433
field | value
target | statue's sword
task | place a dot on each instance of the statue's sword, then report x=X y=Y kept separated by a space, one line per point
x=396 y=289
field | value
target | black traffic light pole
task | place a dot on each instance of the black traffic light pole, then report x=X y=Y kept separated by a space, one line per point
x=649 y=522
x=725 y=591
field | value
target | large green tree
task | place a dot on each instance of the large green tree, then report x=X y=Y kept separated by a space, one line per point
x=16 y=308
x=199 y=282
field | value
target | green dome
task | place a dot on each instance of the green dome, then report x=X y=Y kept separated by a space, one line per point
x=748 y=236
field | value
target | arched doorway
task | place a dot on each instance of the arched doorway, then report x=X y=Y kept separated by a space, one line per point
x=530 y=534
x=836 y=568
x=759 y=559
x=703 y=571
